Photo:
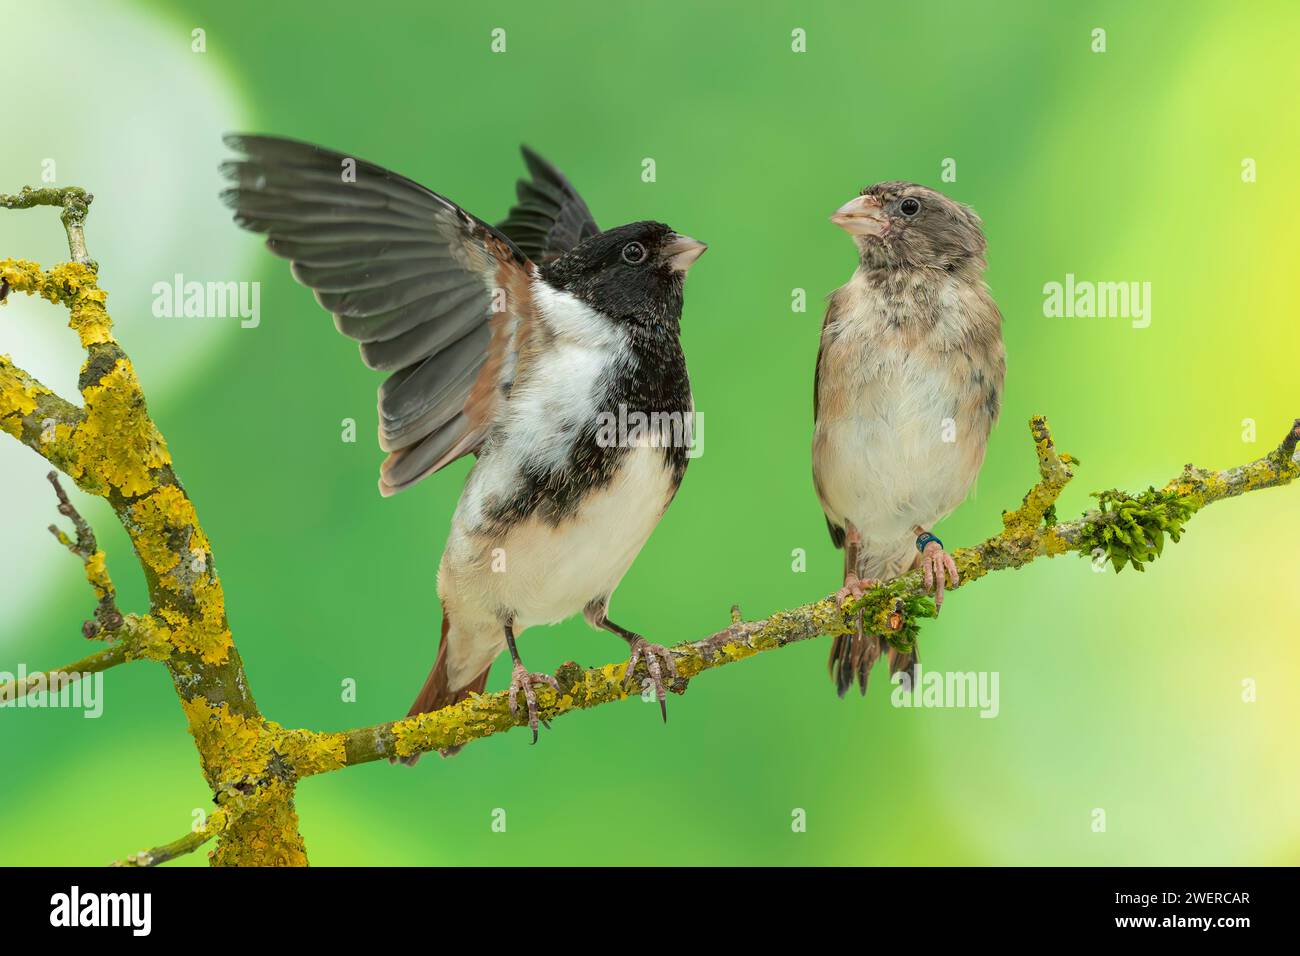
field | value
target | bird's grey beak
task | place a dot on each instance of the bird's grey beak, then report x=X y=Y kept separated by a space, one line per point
x=861 y=216
x=682 y=252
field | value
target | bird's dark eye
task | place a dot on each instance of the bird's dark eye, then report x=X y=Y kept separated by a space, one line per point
x=633 y=253
x=909 y=207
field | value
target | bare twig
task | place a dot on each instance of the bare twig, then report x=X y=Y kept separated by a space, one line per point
x=214 y=824
x=75 y=203
x=91 y=664
x=107 y=617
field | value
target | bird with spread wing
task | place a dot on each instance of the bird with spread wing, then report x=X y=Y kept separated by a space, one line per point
x=514 y=344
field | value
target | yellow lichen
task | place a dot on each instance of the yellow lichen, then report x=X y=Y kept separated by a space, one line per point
x=118 y=443
x=23 y=275
x=17 y=398
x=1054 y=544
x=150 y=516
x=97 y=574
x=147 y=638
x=234 y=748
x=205 y=633
x=312 y=753
x=482 y=714
x=238 y=749
x=88 y=314
x=70 y=283
x=168 y=539
x=208 y=635
x=264 y=832
x=58 y=448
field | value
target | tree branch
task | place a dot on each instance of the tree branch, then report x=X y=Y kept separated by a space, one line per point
x=894 y=608
x=101 y=660
x=74 y=202
x=111 y=448
x=137 y=636
x=214 y=824
x=107 y=617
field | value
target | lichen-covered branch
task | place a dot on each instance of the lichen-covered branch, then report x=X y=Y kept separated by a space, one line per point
x=246 y=808
x=111 y=448
x=137 y=636
x=894 y=608
x=215 y=823
x=108 y=618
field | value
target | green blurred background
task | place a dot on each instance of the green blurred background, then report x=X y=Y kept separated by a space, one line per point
x=1120 y=693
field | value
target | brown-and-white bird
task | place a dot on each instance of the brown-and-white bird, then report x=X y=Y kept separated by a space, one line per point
x=518 y=344
x=908 y=386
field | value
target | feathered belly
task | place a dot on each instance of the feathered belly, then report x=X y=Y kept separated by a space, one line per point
x=538 y=572
x=898 y=455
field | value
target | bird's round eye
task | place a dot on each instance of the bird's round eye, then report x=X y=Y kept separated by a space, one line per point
x=633 y=253
x=909 y=207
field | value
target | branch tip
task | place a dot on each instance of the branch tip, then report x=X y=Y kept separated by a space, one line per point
x=75 y=204
x=108 y=619
x=190 y=842
x=92 y=664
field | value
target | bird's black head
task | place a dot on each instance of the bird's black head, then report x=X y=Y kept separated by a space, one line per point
x=631 y=274
x=903 y=225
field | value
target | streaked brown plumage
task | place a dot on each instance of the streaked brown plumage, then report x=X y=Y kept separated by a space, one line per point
x=908 y=386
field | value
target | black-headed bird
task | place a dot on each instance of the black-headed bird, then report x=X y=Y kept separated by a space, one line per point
x=515 y=344
x=908 y=386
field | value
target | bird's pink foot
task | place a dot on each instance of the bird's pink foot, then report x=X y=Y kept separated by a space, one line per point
x=936 y=565
x=521 y=679
x=854 y=587
x=658 y=663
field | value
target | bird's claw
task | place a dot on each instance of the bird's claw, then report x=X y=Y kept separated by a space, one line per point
x=521 y=679
x=936 y=564
x=854 y=587
x=658 y=660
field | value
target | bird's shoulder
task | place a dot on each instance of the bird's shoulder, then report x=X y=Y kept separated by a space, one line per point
x=854 y=325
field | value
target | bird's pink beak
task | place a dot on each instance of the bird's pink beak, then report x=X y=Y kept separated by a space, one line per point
x=682 y=252
x=861 y=216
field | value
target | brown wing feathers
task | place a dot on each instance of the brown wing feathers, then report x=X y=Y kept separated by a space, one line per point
x=405 y=272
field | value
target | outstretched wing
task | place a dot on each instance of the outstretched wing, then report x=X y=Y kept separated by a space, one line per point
x=433 y=294
x=550 y=217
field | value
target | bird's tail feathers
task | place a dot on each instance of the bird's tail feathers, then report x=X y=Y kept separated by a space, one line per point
x=904 y=662
x=438 y=691
x=853 y=656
